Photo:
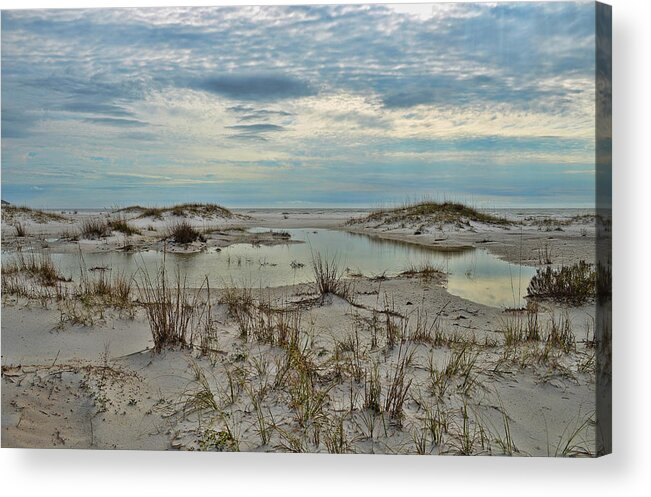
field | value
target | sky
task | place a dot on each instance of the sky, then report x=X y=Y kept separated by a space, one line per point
x=300 y=106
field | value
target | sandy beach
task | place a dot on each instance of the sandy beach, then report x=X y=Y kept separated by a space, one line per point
x=395 y=362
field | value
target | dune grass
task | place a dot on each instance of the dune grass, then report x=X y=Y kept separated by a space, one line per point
x=21 y=229
x=329 y=278
x=183 y=232
x=110 y=289
x=94 y=228
x=36 y=265
x=177 y=315
x=11 y=212
x=296 y=395
x=122 y=226
x=426 y=271
x=430 y=211
x=180 y=210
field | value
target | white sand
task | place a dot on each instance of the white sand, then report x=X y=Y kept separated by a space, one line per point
x=102 y=386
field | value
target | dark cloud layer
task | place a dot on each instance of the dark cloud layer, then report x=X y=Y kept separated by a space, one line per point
x=256 y=87
x=256 y=128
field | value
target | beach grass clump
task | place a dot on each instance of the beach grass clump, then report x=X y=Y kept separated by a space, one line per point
x=425 y=330
x=432 y=212
x=426 y=271
x=239 y=302
x=69 y=235
x=112 y=289
x=175 y=313
x=94 y=228
x=260 y=321
x=183 y=232
x=37 y=265
x=329 y=278
x=392 y=399
x=575 y=284
x=122 y=226
x=21 y=229
x=517 y=329
x=399 y=385
x=373 y=389
x=560 y=333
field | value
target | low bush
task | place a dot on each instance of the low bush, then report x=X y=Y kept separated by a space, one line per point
x=574 y=284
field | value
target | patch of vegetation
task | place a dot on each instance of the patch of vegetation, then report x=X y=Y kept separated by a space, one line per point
x=176 y=314
x=557 y=223
x=181 y=210
x=21 y=229
x=94 y=229
x=108 y=289
x=183 y=232
x=355 y=397
x=426 y=271
x=38 y=266
x=575 y=284
x=122 y=226
x=220 y=441
x=329 y=279
x=432 y=212
x=10 y=212
x=69 y=235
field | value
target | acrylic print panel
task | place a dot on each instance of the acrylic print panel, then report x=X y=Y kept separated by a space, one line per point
x=377 y=229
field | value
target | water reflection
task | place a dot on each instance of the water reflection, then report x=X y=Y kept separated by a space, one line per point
x=475 y=274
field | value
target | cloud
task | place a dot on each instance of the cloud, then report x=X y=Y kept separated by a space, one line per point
x=247 y=137
x=248 y=112
x=95 y=108
x=110 y=121
x=253 y=132
x=16 y=123
x=256 y=87
x=256 y=128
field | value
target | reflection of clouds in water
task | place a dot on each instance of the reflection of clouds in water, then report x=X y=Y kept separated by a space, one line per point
x=475 y=275
x=496 y=291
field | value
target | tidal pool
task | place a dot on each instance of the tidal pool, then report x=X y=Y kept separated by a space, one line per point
x=473 y=274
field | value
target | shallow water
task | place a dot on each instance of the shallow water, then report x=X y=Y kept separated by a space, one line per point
x=473 y=274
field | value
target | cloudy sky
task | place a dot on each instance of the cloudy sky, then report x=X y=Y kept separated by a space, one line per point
x=300 y=106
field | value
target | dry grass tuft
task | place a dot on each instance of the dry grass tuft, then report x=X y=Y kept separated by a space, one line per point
x=37 y=266
x=329 y=278
x=122 y=226
x=176 y=314
x=94 y=229
x=183 y=232
x=21 y=229
x=426 y=272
